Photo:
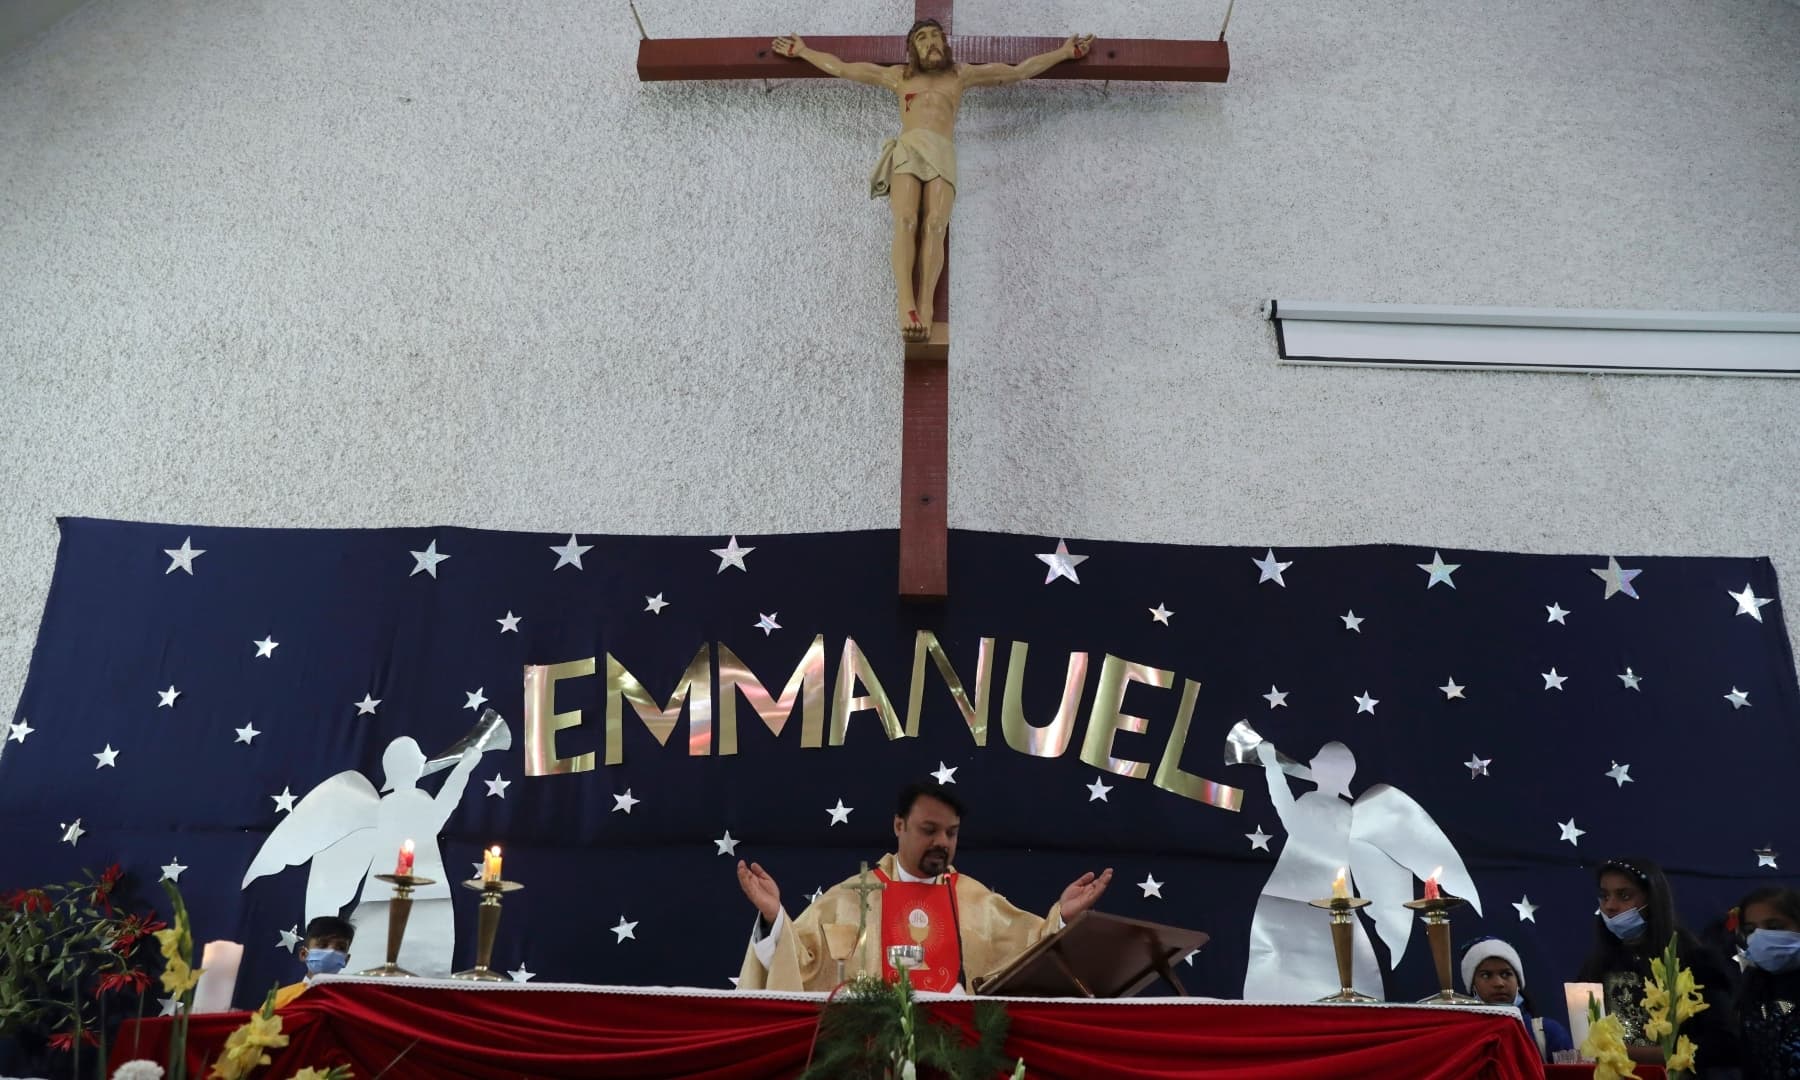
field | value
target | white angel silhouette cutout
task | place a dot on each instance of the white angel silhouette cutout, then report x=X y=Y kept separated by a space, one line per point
x=351 y=833
x=1383 y=837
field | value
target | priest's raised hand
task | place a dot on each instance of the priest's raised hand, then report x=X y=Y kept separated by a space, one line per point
x=1081 y=894
x=762 y=890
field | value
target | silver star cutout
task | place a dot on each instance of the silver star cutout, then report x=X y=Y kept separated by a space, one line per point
x=1526 y=909
x=289 y=938
x=1620 y=773
x=106 y=757
x=1631 y=680
x=1270 y=570
x=172 y=872
x=1439 y=570
x=840 y=814
x=624 y=802
x=1478 y=765
x=18 y=731
x=1451 y=690
x=477 y=697
x=813 y=897
x=726 y=845
x=1557 y=614
x=71 y=832
x=1365 y=703
x=944 y=774
x=732 y=555
x=246 y=733
x=265 y=649
x=427 y=560
x=1098 y=790
x=1766 y=857
x=1161 y=614
x=166 y=698
x=182 y=558
x=1570 y=832
x=1277 y=699
x=521 y=974
x=1618 y=580
x=1259 y=840
x=570 y=554
x=171 y=1006
x=625 y=930
x=497 y=786
x=509 y=623
x=1740 y=699
x=1553 y=681
x=655 y=604
x=1151 y=887
x=480 y=868
x=1743 y=959
x=1061 y=563
x=767 y=623
x=366 y=707
x=284 y=802
x=1352 y=621
x=1748 y=603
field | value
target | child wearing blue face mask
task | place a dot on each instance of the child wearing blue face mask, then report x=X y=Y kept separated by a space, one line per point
x=1634 y=924
x=325 y=952
x=1769 y=1001
x=1491 y=971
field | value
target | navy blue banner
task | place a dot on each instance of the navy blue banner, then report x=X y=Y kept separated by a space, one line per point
x=1679 y=688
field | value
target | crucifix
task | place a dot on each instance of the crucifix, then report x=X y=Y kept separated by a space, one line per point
x=919 y=169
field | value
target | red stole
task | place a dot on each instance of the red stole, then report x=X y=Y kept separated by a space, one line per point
x=920 y=913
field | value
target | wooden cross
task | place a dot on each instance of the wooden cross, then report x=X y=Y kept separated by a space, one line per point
x=925 y=427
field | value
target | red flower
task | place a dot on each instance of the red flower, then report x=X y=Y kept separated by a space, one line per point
x=1731 y=921
x=109 y=878
x=28 y=900
x=135 y=979
x=65 y=1040
x=133 y=927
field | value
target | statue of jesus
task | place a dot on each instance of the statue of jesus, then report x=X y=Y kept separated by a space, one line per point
x=917 y=170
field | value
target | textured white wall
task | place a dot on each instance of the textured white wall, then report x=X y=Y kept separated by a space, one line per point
x=297 y=262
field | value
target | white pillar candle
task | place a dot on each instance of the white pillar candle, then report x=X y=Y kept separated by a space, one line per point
x=218 y=976
x=1577 y=994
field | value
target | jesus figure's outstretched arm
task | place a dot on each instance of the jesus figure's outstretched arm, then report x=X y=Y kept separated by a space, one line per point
x=1000 y=74
x=794 y=46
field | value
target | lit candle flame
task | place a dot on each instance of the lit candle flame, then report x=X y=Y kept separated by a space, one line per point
x=1339 y=889
x=1431 y=884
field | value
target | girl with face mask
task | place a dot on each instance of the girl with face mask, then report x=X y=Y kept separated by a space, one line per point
x=1634 y=922
x=1769 y=1001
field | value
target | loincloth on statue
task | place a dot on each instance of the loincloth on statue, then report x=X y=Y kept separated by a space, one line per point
x=921 y=153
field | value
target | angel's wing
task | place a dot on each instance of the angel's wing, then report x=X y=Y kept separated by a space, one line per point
x=1393 y=840
x=339 y=806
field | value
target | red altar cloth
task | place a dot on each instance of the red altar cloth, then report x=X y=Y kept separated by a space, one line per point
x=444 y=1030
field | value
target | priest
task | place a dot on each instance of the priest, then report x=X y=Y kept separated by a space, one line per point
x=915 y=897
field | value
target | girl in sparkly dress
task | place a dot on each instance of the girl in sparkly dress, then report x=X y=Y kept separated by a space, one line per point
x=1636 y=918
x=1769 y=1001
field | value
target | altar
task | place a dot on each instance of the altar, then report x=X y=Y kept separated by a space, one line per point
x=420 y=1028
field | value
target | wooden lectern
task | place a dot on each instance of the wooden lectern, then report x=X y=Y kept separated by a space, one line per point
x=1096 y=955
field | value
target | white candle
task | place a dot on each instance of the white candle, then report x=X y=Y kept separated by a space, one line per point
x=1576 y=995
x=219 y=962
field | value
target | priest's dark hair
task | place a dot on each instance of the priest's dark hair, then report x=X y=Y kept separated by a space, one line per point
x=1611 y=954
x=330 y=926
x=931 y=789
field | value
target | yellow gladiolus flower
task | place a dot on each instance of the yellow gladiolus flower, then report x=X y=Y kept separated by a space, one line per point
x=1682 y=1060
x=170 y=943
x=244 y=1047
x=1658 y=1028
x=1656 y=999
x=178 y=978
x=1605 y=1044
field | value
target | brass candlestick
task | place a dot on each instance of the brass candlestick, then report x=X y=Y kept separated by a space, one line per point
x=1343 y=929
x=399 y=910
x=487 y=926
x=1437 y=931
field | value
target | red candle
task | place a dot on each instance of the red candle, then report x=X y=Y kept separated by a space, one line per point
x=404 y=867
x=1431 y=885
